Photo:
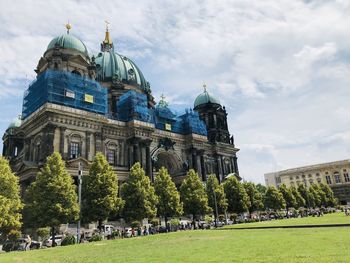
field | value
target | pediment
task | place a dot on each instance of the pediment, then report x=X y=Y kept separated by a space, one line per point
x=74 y=163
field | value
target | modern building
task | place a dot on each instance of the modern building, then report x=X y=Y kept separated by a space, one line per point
x=335 y=174
x=80 y=104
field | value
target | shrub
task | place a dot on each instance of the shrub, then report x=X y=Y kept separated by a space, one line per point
x=208 y=219
x=14 y=234
x=68 y=240
x=43 y=233
x=95 y=238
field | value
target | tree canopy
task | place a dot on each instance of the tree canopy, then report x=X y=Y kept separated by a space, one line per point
x=10 y=201
x=274 y=199
x=168 y=197
x=255 y=197
x=288 y=196
x=193 y=195
x=52 y=198
x=100 y=191
x=213 y=186
x=139 y=196
x=237 y=198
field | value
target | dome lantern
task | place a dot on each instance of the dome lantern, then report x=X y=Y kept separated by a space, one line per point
x=205 y=98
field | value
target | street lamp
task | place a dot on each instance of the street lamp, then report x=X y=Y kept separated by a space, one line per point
x=216 y=209
x=80 y=173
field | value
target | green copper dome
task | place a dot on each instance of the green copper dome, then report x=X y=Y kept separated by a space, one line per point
x=16 y=122
x=205 y=98
x=113 y=66
x=68 y=41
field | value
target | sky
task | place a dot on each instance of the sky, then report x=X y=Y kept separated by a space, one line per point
x=281 y=68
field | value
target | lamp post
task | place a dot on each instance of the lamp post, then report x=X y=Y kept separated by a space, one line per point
x=216 y=209
x=80 y=173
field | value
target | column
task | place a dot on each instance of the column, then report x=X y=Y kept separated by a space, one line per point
x=87 y=144
x=236 y=165
x=149 y=171
x=194 y=160
x=219 y=167
x=136 y=151
x=204 y=174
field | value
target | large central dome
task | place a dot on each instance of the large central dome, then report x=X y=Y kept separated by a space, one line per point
x=111 y=65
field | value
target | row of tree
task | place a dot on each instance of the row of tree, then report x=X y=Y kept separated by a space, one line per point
x=52 y=198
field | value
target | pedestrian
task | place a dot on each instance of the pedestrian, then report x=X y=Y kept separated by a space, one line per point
x=28 y=242
x=132 y=232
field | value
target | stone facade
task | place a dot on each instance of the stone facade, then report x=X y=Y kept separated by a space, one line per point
x=335 y=174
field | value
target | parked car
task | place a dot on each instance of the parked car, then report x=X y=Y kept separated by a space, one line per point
x=58 y=241
x=17 y=245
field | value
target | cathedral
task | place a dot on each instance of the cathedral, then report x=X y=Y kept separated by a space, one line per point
x=81 y=103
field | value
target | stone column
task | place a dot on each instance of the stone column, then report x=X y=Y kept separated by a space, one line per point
x=220 y=174
x=136 y=150
x=194 y=160
x=204 y=175
x=149 y=170
x=87 y=144
x=48 y=138
x=235 y=165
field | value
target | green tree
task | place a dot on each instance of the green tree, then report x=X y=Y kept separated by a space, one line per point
x=305 y=195
x=168 y=197
x=316 y=194
x=330 y=200
x=215 y=193
x=193 y=195
x=261 y=188
x=255 y=197
x=274 y=199
x=300 y=201
x=288 y=197
x=139 y=196
x=52 y=198
x=237 y=198
x=10 y=202
x=100 y=191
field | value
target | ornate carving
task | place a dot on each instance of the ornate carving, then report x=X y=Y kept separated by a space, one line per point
x=166 y=143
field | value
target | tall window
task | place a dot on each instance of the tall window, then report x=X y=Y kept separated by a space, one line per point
x=74 y=150
x=111 y=156
x=328 y=179
x=337 y=178
x=346 y=177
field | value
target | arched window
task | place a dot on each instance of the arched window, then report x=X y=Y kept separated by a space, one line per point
x=111 y=153
x=76 y=72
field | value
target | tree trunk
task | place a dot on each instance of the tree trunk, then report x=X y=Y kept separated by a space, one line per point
x=166 y=223
x=100 y=224
x=216 y=221
x=53 y=236
x=193 y=222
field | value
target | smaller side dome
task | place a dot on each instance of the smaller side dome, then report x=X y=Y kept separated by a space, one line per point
x=205 y=98
x=70 y=42
x=16 y=122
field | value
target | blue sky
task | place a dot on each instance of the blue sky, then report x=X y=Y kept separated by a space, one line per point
x=281 y=68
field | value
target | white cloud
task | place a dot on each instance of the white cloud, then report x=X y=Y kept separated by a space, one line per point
x=280 y=67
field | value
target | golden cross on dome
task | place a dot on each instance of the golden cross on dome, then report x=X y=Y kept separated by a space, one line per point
x=68 y=26
x=162 y=97
x=205 y=86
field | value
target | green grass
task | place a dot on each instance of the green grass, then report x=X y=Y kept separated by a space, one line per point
x=335 y=218
x=271 y=245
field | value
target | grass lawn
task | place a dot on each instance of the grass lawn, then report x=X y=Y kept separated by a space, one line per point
x=335 y=218
x=262 y=245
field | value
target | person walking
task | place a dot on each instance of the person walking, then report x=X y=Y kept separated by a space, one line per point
x=28 y=242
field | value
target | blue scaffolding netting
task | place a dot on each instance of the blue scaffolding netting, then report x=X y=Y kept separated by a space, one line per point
x=68 y=89
x=65 y=88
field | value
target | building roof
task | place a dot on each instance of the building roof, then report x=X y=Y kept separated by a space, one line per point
x=111 y=65
x=68 y=41
x=205 y=98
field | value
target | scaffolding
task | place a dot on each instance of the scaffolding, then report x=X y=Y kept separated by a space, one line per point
x=133 y=106
x=65 y=88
